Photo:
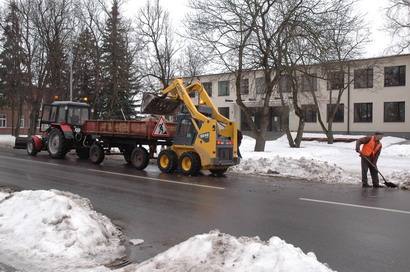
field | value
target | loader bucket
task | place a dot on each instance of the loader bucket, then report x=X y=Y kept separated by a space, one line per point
x=152 y=104
x=21 y=143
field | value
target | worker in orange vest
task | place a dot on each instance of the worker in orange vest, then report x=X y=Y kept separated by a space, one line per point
x=371 y=150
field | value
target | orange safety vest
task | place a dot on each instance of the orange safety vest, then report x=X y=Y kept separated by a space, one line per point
x=371 y=148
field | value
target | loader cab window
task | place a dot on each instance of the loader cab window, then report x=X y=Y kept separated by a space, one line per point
x=186 y=132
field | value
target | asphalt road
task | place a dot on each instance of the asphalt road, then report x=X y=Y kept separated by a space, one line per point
x=349 y=228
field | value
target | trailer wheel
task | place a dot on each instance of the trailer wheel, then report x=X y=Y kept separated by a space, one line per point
x=127 y=152
x=31 y=150
x=140 y=158
x=83 y=153
x=190 y=163
x=97 y=154
x=219 y=172
x=56 y=144
x=167 y=161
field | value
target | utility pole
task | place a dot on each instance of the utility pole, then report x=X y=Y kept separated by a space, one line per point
x=70 y=57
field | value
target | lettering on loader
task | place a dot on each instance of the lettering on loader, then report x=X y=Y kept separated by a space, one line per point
x=160 y=129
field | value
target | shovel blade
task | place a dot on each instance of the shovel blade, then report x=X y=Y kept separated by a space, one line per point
x=152 y=104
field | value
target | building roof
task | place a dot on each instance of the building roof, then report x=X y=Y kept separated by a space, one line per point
x=353 y=60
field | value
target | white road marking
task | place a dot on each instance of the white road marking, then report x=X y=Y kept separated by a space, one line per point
x=354 y=205
x=33 y=161
x=157 y=179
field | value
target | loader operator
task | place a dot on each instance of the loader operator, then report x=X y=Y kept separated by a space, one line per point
x=369 y=154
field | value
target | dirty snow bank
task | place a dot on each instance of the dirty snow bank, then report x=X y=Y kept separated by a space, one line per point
x=219 y=252
x=55 y=231
x=318 y=161
x=7 y=140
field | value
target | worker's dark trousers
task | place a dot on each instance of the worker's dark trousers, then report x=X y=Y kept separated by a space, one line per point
x=373 y=172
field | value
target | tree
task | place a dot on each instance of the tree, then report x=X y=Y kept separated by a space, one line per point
x=13 y=80
x=193 y=61
x=398 y=15
x=118 y=71
x=154 y=29
x=84 y=68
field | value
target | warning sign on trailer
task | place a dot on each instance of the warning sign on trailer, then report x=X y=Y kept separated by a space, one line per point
x=161 y=128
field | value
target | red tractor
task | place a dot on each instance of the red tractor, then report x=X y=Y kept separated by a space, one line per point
x=61 y=124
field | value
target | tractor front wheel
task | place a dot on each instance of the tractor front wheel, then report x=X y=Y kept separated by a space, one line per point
x=167 y=161
x=140 y=158
x=56 y=144
x=190 y=163
x=31 y=149
x=97 y=154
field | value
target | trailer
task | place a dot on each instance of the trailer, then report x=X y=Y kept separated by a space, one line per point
x=130 y=137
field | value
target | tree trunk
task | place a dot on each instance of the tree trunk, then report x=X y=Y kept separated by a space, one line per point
x=12 y=117
x=299 y=134
x=34 y=114
x=329 y=133
x=260 y=141
x=19 y=115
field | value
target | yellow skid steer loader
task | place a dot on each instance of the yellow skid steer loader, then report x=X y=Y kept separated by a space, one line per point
x=204 y=140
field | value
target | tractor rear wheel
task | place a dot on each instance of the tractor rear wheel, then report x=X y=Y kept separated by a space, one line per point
x=167 y=161
x=56 y=145
x=31 y=150
x=83 y=153
x=190 y=163
x=219 y=172
x=140 y=158
x=97 y=154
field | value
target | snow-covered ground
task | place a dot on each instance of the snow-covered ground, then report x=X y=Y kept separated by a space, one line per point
x=7 y=140
x=318 y=161
x=218 y=252
x=58 y=231
x=55 y=231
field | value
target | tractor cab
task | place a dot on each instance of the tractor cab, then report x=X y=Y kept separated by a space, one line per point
x=64 y=112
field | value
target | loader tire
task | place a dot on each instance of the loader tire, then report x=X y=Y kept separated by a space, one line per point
x=83 y=153
x=190 y=163
x=97 y=154
x=56 y=145
x=140 y=158
x=167 y=161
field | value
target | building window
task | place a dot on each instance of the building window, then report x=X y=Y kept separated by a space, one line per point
x=394 y=111
x=363 y=112
x=224 y=111
x=336 y=80
x=3 y=120
x=310 y=113
x=208 y=88
x=223 y=88
x=309 y=83
x=260 y=85
x=363 y=78
x=394 y=76
x=245 y=86
x=284 y=86
x=339 y=115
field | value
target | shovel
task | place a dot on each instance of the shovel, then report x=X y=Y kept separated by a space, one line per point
x=387 y=183
x=159 y=105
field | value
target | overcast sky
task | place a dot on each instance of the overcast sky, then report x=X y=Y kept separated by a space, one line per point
x=374 y=11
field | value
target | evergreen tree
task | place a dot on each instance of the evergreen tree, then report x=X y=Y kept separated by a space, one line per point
x=85 y=68
x=117 y=67
x=11 y=63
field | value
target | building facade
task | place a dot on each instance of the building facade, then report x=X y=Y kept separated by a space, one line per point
x=8 y=122
x=375 y=97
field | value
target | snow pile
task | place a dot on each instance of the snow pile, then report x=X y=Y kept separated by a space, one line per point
x=7 y=140
x=217 y=252
x=318 y=161
x=55 y=231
